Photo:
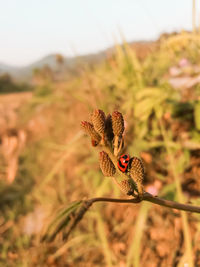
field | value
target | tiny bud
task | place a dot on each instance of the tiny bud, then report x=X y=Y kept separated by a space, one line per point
x=117 y=123
x=106 y=165
x=98 y=119
x=89 y=129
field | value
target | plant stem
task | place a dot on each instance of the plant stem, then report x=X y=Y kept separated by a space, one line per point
x=150 y=198
x=86 y=204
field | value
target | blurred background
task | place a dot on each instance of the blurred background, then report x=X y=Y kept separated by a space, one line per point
x=59 y=60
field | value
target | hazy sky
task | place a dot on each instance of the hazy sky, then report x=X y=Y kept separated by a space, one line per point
x=31 y=29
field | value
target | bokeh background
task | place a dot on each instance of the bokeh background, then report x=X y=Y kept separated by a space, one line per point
x=59 y=60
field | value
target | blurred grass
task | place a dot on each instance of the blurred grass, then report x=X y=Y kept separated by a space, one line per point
x=177 y=167
x=59 y=166
x=134 y=252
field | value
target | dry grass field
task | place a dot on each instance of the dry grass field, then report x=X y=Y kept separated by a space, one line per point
x=46 y=161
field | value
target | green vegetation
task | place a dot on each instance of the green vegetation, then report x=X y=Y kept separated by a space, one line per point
x=58 y=166
x=7 y=85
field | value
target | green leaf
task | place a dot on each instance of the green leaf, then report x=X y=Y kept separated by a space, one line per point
x=61 y=221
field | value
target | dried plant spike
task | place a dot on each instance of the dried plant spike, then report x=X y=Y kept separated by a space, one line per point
x=89 y=129
x=106 y=165
x=117 y=123
x=137 y=169
x=99 y=121
x=137 y=173
x=126 y=187
x=109 y=130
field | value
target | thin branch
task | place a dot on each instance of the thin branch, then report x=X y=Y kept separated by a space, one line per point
x=150 y=198
x=71 y=221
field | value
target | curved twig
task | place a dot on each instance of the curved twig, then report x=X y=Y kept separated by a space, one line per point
x=150 y=198
x=146 y=197
x=86 y=204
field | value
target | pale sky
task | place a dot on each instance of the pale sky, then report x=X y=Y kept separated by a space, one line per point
x=31 y=29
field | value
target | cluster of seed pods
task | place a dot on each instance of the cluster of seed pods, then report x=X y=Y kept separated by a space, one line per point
x=106 y=132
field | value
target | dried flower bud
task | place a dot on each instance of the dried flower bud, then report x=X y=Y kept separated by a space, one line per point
x=109 y=130
x=117 y=123
x=89 y=129
x=98 y=119
x=106 y=165
x=137 y=170
x=126 y=187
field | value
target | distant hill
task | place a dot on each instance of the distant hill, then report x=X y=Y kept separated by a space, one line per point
x=69 y=63
x=6 y=68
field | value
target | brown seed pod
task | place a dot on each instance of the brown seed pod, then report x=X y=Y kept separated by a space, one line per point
x=117 y=123
x=89 y=129
x=106 y=165
x=126 y=187
x=99 y=119
x=137 y=172
x=109 y=130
